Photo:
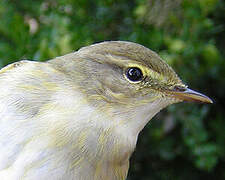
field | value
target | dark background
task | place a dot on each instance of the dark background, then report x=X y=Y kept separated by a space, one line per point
x=184 y=141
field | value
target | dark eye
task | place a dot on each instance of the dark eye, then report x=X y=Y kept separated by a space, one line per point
x=134 y=74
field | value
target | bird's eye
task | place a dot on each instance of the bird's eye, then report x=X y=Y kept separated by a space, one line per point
x=134 y=74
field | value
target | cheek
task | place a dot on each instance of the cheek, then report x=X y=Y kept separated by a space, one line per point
x=145 y=96
x=149 y=93
x=117 y=84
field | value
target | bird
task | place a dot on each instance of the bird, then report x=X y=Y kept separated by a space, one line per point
x=78 y=116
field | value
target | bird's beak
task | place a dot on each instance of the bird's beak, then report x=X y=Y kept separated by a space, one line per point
x=191 y=95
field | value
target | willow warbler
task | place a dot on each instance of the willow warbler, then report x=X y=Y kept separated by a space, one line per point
x=78 y=116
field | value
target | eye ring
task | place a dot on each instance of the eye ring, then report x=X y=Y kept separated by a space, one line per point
x=134 y=74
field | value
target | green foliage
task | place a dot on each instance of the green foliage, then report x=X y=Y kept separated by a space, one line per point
x=186 y=141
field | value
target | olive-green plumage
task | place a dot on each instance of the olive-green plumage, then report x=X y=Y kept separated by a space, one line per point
x=78 y=116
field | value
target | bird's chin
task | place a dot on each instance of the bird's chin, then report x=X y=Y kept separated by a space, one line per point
x=142 y=114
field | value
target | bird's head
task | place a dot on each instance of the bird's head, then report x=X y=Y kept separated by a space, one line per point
x=132 y=74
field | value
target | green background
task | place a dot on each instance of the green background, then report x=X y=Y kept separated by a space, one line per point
x=184 y=141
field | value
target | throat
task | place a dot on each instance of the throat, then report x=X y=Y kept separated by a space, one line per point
x=133 y=119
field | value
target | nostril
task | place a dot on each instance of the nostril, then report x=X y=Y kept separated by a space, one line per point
x=179 y=88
